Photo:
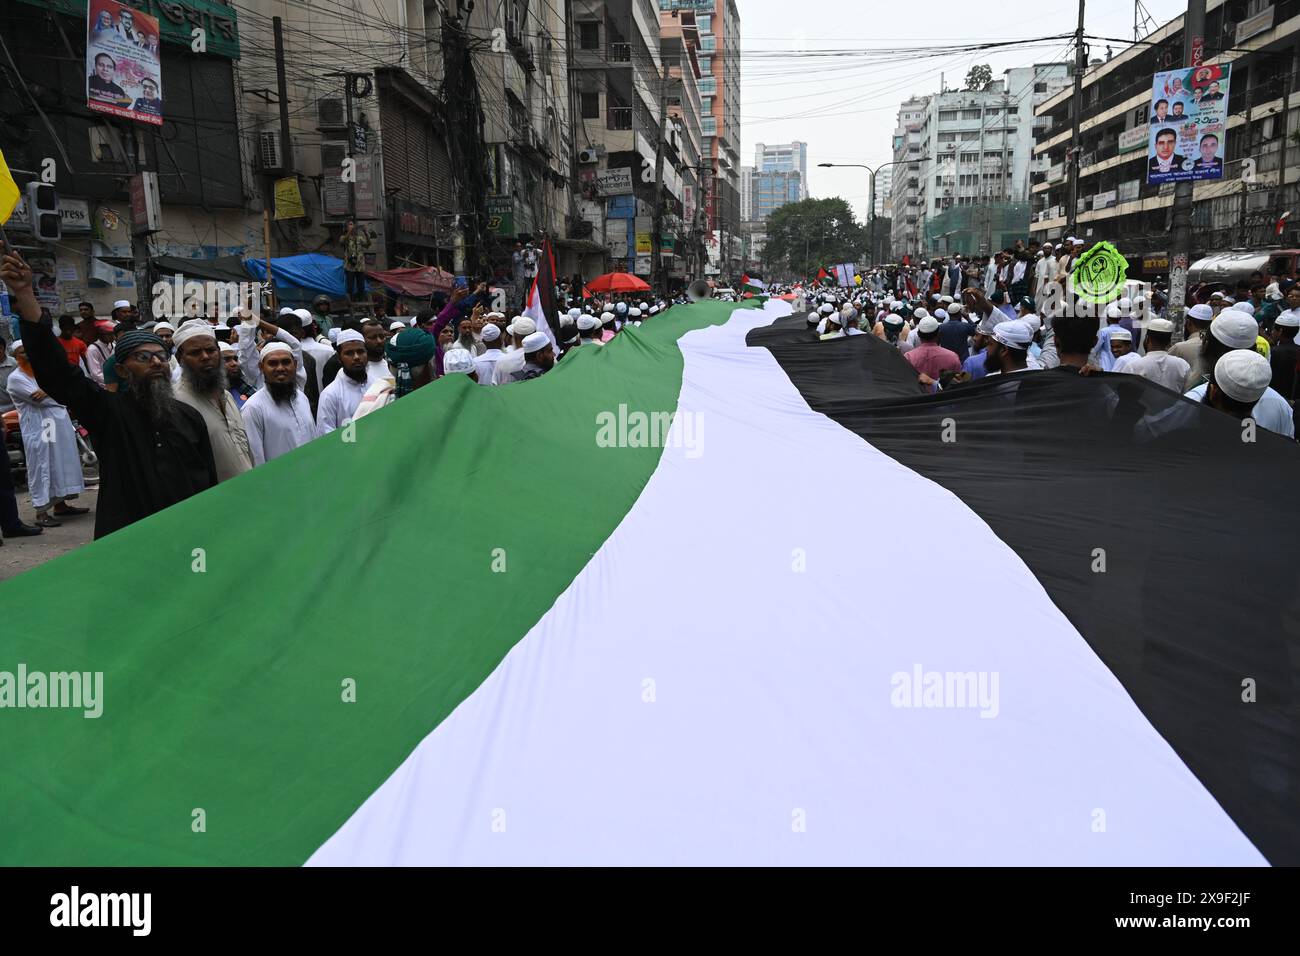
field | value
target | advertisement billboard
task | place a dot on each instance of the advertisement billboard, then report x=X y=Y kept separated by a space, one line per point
x=1188 y=125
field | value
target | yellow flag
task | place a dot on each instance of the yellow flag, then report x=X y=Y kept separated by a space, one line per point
x=8 y=191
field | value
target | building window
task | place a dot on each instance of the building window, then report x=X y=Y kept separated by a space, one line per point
x=970 y=114
x=706 y=64
x=704 y=23
x=708 y=44
x=708 y=86
x=1040 y=87
x=590 y=104
x=588 y=35
x=706 y=104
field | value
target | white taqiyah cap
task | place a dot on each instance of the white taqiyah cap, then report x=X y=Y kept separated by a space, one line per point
x=121 y=304
x=1236 y=330
x=1121 y=335
x=1243 y=374
x=535 y=342
x=927 y=325
x=346 y=335
x=1160 y=325
x=1014 y=333
x=490 y=333
x=1201 y=312
x=457 y=361
x=1290 y=318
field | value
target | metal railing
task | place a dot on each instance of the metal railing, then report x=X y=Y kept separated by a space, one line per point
x=620 y=53
x=620 y=117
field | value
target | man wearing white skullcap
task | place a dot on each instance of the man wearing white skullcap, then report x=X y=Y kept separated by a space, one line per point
x=1158 y=365
x=1102 y=356
x=1284 y=356
x=1009 y=349
x=1121 y=347
x=589 y=330
x=1234 y=331
x=203 y=387
x=342 y=396
x=320 y=352
x=1196 y=320
x=278 y=417
x=1239 y=381
x=250 y=359
x=540 y=357
x=486 y=364
x=513 y=358
x=1230 y=329
x=460 y=362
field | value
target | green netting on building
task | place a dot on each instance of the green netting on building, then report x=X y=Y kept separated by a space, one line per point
x=972 y=230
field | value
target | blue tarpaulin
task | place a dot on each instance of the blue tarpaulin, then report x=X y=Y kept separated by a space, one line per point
x=311 y=271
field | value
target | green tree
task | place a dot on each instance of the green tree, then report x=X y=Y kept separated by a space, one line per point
x=979 y=77
x=804 y=236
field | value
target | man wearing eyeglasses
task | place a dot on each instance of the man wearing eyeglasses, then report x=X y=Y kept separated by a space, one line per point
x=153 y=450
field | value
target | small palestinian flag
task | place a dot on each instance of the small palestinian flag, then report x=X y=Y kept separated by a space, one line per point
x=824 y=277
x=585 y=693
x=752 y=284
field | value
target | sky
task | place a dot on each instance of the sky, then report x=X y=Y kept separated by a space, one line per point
x=831 y=57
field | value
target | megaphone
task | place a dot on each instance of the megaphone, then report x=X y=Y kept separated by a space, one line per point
x=699 y=289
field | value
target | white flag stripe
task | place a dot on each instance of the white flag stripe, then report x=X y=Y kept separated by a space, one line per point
x=695 y=698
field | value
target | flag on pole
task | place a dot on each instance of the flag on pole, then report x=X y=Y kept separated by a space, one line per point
x=752 y=284
x=824 y=277
x=9 y=192
x=541 y=306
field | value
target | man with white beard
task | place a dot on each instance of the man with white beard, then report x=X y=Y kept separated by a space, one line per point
x=339 y=401
x=278 y=417
x=204 y=388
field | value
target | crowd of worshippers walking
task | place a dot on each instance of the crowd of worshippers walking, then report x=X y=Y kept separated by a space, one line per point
x=173 y=409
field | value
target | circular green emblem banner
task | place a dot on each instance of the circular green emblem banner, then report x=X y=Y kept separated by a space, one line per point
x=1099 y=275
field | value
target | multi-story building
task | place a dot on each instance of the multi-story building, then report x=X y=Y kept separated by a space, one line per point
x=718 y=22
x=1261 y=40
x=771 y=189
x=907 y=215
x=746 y=193
x=974 y=190
x=448 y=150
x=784 y=158
x=884 y=187
x=679 y=40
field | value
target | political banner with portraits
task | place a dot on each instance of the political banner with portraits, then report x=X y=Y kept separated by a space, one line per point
x=1188 y=124
x=123 y=62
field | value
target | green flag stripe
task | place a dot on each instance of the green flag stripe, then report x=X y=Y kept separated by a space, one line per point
x=228 y=628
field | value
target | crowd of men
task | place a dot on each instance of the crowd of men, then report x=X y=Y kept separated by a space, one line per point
x=173 y=407
x=956 y=321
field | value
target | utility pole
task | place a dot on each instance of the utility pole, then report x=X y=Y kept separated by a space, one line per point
x=657 y=214
x=1076 y=109
x=1181 y=239
x=282 y=92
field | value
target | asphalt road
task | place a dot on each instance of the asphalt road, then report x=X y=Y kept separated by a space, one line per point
x=20 y=554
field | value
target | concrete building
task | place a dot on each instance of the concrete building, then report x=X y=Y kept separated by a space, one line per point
x=454 y=149
x=884 y=190
x=718 y=22
x=1261 y=40
x=907 y=216
x=746 y=193
x=683 y=234
x=974 y=187
x=784 y=158
x=771 y=189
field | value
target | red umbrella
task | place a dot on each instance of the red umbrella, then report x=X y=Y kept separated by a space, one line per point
x=617 y=282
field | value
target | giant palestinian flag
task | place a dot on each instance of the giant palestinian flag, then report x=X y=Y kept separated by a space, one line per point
x=819 y=619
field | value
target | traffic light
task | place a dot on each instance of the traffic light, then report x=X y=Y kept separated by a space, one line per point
x=43 y=212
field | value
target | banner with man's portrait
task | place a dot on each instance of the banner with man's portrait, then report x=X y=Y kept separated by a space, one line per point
x=123 y=62
x=1189 y=124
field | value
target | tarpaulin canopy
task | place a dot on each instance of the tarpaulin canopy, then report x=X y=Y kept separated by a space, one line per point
x=221 y=269
x=420 y=281
x=312 y=271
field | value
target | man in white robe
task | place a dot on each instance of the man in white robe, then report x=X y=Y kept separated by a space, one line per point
x=250 y=360
x=49 y=445
x=486 y=363
x=277 y=419
x=338 y=403
x=204 y=388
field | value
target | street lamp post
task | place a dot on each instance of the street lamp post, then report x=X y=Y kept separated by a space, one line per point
x=871 y=179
